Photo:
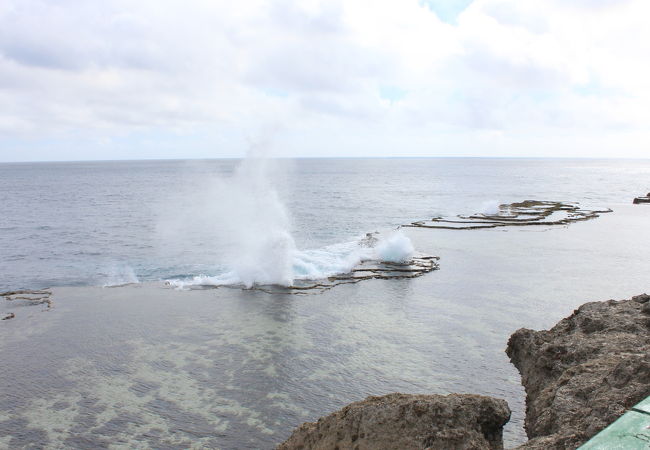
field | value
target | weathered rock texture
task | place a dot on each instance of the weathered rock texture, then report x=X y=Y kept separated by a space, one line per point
x=403 y=421
x=585 y=372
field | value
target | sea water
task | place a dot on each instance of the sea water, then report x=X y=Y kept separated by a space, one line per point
x=239 y=369
x=103 y=223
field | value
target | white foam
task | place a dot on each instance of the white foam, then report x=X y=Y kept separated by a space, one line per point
x=395 y=248
x=490 y=208
x=313 y=264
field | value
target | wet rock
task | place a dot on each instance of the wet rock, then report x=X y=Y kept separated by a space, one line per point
x=9 y=316
x=645 y=199
x=32 y=297
x=417 y=266
x=585 y=372
x=404 y=421
x=526 y=213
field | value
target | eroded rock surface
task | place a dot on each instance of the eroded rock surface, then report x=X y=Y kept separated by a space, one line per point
x=526 y=213
x=367 y=270
x=29 y=297
x=415 y=267
x=585 y=372
x=405 y=421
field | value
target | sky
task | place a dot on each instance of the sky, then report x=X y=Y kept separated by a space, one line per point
x=156 y=79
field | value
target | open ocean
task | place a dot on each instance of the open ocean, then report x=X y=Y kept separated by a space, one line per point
x=147 y=364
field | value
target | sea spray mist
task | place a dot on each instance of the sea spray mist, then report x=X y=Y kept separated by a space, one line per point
x=230 y=226
x=265 y=248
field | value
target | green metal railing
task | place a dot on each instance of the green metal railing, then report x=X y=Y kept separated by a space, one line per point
x=630 y=431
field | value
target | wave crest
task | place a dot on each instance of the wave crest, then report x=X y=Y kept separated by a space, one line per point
x=279 y=263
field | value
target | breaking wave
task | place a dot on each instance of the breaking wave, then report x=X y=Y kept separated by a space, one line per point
x=311 y=264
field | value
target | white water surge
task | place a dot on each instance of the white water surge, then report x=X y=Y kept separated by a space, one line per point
x=257 y=226
x=310 y=264
x=244 y=218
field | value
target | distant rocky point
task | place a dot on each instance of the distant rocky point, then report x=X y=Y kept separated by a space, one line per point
x=579 y=377
x=645 y=199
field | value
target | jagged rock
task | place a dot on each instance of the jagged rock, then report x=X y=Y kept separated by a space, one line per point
x=404 y=421
x=585 y=372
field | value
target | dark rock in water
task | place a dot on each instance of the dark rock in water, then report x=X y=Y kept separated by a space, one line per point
x=638 y=200
x=585 y=372
x=9 y=316
x=403 y=421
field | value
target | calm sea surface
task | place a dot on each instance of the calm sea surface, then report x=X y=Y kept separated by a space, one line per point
x=146 y=365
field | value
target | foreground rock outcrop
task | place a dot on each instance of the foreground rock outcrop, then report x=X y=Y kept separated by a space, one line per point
x=580 y=376
x=404 y=421
x=585 y=372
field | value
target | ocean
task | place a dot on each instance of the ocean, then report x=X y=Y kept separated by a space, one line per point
x=132 y=354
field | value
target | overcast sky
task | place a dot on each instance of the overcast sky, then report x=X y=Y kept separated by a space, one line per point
x=123 y=79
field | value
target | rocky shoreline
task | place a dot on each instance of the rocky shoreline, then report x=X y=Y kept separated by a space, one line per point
x=579 y=377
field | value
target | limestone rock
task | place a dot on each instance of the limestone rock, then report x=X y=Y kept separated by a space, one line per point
x=405 y=421
x=583 y=373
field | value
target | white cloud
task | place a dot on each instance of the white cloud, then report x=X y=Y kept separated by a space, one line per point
x=504 y=77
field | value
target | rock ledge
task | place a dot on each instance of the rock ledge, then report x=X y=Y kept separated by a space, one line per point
x=585 y=372
x=406 y=421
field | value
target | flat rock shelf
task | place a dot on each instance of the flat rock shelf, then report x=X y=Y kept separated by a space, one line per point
x=525 y=213
x=367 y=270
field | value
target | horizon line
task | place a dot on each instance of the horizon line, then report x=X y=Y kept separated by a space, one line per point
x=321 y=157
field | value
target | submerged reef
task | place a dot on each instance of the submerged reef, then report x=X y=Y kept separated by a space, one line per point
x=579 y=377
x=528 y=212
x=28 y=297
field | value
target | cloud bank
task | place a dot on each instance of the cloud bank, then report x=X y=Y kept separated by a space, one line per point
x=147 y=79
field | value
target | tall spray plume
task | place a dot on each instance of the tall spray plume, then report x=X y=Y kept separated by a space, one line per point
x=264 y=247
